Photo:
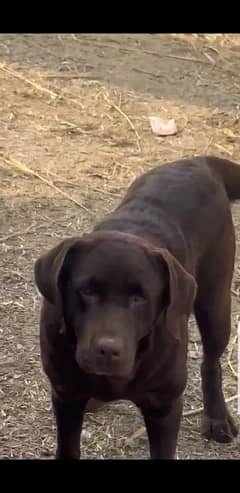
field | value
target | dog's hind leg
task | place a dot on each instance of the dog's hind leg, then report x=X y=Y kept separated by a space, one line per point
x=213 y=315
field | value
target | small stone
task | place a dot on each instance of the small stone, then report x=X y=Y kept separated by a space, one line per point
x=85 y=435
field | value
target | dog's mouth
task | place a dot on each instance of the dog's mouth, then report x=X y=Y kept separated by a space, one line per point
x=112 y=375
x=124 y=372
x=121 y=370
x=101 y=373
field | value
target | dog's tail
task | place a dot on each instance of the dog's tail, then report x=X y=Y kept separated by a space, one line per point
x=229 y=173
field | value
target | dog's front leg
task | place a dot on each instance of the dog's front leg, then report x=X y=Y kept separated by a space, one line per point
x=162 y=428
x=69 y=415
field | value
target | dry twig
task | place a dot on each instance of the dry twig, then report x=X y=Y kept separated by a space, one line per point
x=149 y=52
x=37 y=86
x=16 y=74
x=25 y=169
x=33 y=227
x=117 y=108
x=16 y=233
x=69 y=75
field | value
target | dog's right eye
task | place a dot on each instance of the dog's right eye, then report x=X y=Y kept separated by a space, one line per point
x=87 y=292
x=137 y=298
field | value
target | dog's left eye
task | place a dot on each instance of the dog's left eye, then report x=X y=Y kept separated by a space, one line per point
x=137 y=298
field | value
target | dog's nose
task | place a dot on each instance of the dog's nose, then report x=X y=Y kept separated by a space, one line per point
x=108 y=348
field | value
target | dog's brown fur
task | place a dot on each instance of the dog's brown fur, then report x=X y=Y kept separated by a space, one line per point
x=117 y=302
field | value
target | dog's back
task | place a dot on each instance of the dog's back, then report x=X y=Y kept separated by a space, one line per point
x=184 y=204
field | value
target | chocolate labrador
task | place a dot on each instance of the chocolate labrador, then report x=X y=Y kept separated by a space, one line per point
x=116 y=304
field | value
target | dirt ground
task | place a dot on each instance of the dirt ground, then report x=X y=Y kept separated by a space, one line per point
x=74 y=132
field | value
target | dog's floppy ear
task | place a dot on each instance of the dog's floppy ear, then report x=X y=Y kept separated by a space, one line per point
x=182 y=289
x=47 y=268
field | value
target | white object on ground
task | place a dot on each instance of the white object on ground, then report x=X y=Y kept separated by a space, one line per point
x=163 y=127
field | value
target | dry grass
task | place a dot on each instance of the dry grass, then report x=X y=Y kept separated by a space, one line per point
x=69 y=142
x=110 y=127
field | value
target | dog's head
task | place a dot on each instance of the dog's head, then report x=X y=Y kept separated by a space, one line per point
x=111 y=289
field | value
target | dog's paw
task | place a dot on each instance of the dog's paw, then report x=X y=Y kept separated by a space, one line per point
x=222 y=431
